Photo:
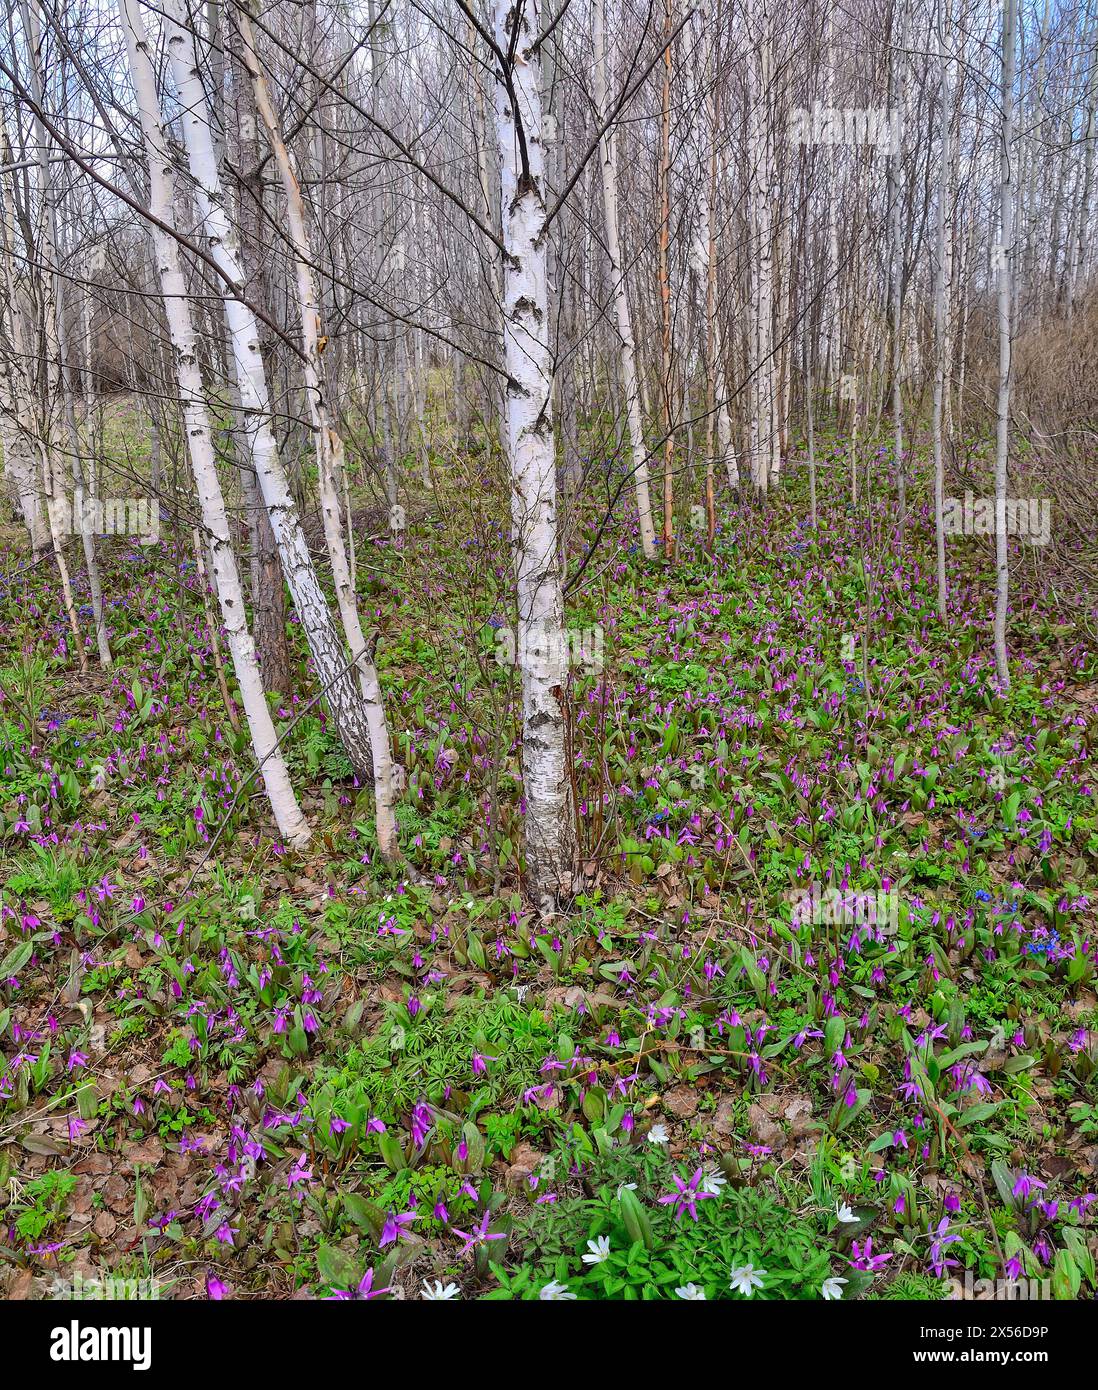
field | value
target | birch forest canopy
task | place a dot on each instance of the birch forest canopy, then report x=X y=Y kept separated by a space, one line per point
x=548 y=651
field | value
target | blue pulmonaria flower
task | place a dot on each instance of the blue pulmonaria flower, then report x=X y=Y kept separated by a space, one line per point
x=983 y=895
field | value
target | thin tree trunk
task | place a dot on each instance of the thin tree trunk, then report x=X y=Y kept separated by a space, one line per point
x=288 y=817
x=550 y=814
x=942 y=285
x=334 y=670
x=627 y=348
x=665 y=292
x=268 y=592
x=1006 y=251
x=56 y=349
x=330 y=455
x=897 y=86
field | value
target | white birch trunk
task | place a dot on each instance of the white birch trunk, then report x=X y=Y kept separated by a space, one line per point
x=287 y=813
x=16 y=405
x=1006 y=249
x=56 y=338
x=895 y=158
x=627 y=346
x=760 y=149
x=330 y=455
x=529 y=447
x=334 y=670
x=941 y=304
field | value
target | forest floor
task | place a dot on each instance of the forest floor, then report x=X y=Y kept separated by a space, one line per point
x=240 y=1071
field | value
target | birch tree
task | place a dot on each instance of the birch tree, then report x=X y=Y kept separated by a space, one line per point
x=1005 y=258
x=942 y=289
x=529 y=447
x=199 y=438
x=334 y=669
x=329 y=453
x=627 y=348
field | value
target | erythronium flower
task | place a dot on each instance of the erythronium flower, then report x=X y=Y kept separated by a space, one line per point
x=942 y=1239
x=394 y=1227
x=439 y=1292
x=686 y=1195
x=215 y=1289
x=658 y=1134
x=746 y=1279
x=843 y=1213
x=832 y=1288
x=599 y=1251
x=693 y=1293
x=299 y=1173
x=556 y=1293
x=421 y=1124
x=478 y=1234
x=364 y=1291
x=865 y=1258
x=1024 y=1185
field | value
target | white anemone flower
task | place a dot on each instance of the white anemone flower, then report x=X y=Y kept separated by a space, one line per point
x=556 y=1293
x=746 y=1279
x=600 y=1250
x=439 y=1291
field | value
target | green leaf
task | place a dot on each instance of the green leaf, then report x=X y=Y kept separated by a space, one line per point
x=976 y=1114
x=336 y=1267
x=474 y=1141
x=391 y=1151
x=1066 y=1280
x=636 y=1220
x=14 y=961
x=363 y=1213
x=1004 y=1181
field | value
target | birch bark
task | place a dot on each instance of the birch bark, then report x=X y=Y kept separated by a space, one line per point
x=627 y=346
x=57 y=345
x=1005 y=289
x=287 y=813
x=529 y=446
x=329 y=452
x=942 y=287
x=16 y=403
x=334 y=670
